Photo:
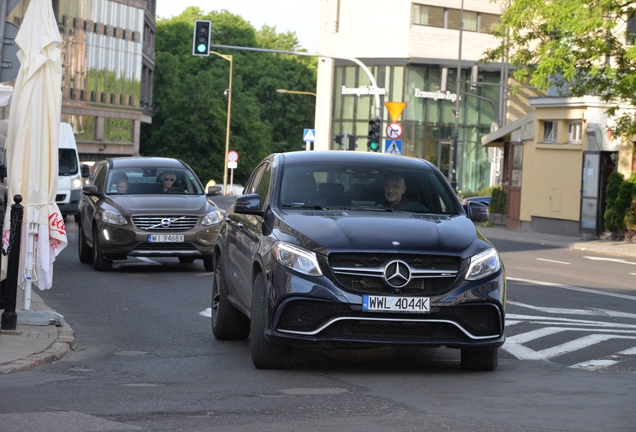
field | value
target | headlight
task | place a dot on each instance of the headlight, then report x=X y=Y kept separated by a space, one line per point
x=76 y=183
x=114 y=218
x=483 y=264
x=297 y=258
x=212 y=218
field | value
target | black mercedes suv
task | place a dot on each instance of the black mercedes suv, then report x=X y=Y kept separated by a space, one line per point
x=352 y=248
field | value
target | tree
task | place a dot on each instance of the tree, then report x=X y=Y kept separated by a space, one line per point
x=582 y=47
x=190 y=91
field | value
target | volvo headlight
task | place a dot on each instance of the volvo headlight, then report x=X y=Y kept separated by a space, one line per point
x=297 y=258
x=114 y=218
x=76 y=183
x=212 y=218
x=483 y=264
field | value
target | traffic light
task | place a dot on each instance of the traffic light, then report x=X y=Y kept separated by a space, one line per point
x=351 y=145
x=374 y=135
x=201 y=38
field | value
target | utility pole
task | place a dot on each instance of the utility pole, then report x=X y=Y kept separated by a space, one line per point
x=453 y=156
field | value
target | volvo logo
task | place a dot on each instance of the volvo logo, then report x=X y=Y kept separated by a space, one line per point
x=165 y=222
x=397 y=274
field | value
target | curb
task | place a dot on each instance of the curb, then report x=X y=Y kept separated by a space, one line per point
x=58 y=349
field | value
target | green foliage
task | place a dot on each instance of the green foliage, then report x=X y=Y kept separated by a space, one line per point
x=191 y=121
x=626 y=195
x=566 y=44
x=613 y=219
x=630 y=220
x=498 y=201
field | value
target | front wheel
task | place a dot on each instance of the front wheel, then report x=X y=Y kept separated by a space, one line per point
x=99 y=262
x=265 y=354
x=227 y=322
x=208 y=264
x=480 y=360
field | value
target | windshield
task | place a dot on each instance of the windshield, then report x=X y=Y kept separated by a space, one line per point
x=155 y=180
x=67 y=162
x=363 y=187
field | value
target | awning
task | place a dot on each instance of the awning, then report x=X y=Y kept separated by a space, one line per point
x=521 y=129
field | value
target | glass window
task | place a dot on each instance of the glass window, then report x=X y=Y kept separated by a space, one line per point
x=575 y=131
x=67 y=162
x=549 y=131
x=83 y=126
x=100 y=176
x=118 y=130
x=488 y=22
x=152 y=180
x=262 y=187
x=428 y=16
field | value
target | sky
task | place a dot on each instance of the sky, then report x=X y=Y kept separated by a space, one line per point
x=299 y=16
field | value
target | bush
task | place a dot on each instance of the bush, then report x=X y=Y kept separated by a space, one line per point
x=630 y=220
x=498 y=201
x=613 y=219
x=626 y=201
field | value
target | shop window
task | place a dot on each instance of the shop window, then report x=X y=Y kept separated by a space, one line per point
x=549 y=131
x=575 y=131
x=428 y=16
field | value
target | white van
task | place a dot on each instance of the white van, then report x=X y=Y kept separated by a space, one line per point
x=69 y=181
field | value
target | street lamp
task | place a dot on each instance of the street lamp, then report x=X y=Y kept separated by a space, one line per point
x=228 y=93
x=295 y=92
x=453 y=156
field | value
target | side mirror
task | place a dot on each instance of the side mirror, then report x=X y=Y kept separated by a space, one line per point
x=90 y=190
x=476 y=211
x=248 y=204
x=214 y=190
x=86 y=171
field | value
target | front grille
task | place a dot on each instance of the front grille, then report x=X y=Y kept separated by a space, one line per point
x=310 y=315
x=363 y=273
x=165 y=246
x=154 y=223
x=395 y=331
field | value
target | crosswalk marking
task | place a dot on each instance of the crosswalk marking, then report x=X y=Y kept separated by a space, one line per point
x=604 y=363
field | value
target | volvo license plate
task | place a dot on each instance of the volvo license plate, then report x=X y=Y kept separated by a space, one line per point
x=396 y=304
x=165 y=238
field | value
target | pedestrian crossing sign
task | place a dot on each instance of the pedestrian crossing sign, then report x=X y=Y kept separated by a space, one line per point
x=309 y=135
x=392 y=146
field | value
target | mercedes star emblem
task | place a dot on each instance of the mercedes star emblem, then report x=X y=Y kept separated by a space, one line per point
x=397 y=274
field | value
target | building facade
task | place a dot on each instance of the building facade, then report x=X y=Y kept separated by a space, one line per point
x=412 y=49
x=108 y=67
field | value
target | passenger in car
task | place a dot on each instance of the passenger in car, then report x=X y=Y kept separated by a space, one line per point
x=119 y=183
x=167 y=180
x=394 y=189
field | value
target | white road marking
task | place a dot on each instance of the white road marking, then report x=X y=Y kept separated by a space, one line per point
x=206 y=313
x=563 y=311
x=573 y=288
x=622 y=261
x=603 y=363
x=553 y=261
x=575 y=324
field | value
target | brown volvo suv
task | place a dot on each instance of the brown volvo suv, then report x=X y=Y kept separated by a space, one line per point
x=146 y=207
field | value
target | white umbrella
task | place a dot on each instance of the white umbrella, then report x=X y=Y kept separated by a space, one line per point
x=32 y=147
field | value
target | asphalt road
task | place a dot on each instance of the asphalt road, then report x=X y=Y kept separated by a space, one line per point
x=145 y=359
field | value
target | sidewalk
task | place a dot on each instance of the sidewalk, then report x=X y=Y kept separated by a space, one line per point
x=31 y=346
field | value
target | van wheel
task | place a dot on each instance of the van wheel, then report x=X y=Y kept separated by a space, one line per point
x=480 y=360
x=227 y=322
x=265 y=354
x=83 y=249
x=99 y=262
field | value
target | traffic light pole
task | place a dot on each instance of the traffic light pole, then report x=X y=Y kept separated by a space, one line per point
x=452 y=171
x=229 y=114
x=378 y=107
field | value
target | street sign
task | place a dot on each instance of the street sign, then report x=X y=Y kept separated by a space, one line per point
x=232 y=156
x=10 y=63
x=394 y=130
x=309 y=135
x=395 y=109
x=393 y=146
x=232 y=165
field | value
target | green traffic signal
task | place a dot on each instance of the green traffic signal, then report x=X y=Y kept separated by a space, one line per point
x=201 y=48
x=201 y=38
x=373 y=146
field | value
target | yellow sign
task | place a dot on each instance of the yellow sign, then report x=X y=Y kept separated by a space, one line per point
x=395 y=109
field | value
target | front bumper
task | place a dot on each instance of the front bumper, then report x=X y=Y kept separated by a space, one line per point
x=120 y=242
x=308 y=310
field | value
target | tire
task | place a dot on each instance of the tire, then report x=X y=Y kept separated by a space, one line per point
x=208 y=264
x=265 y=354
x=99 y=262
x=227 y=322
x=480 y=360
x=186 y=260
x=84 y=251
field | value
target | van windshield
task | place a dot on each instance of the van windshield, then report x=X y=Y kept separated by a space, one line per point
x=68 y=162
